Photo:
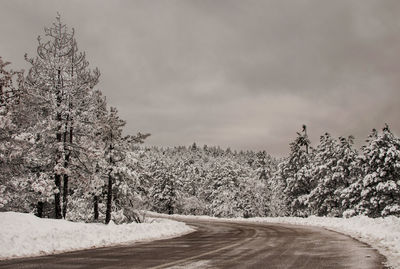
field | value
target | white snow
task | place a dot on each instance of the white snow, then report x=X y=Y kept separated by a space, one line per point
x=383 y=234
x=27 y=235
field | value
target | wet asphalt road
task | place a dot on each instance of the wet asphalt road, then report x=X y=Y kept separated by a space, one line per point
x=224 y=245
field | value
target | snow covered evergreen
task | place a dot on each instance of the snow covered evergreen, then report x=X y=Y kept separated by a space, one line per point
x=376 y=192
x=332 y=171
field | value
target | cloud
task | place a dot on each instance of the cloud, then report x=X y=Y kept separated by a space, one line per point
x=231 y=73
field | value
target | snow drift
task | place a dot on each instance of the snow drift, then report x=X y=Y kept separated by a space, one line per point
x=27 y=235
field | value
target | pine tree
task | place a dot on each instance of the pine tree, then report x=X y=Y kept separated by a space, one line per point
x=163 y=192
x=113 y=153
x=14 y=139
x=294 y=172
x=377 y=193
x=332 y=171
x=61 y=81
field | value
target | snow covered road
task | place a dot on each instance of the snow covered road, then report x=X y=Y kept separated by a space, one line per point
x=219 y=244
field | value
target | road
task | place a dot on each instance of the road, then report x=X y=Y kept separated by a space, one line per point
x=224 y=245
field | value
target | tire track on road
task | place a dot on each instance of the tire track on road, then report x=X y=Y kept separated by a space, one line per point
x=217 y=244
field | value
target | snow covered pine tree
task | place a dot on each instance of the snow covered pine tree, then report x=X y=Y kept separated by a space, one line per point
x=377 y=192
x=60 y=79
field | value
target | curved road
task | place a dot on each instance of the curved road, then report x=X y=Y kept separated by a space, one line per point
x=224 y=245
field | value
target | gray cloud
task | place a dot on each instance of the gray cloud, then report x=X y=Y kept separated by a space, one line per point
x=244 y=74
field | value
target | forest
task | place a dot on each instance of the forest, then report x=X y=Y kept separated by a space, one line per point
x=64 y=154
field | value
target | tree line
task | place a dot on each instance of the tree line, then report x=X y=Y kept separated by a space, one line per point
x=332 y=179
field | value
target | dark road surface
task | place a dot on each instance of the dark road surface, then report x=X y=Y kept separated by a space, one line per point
x=224 y=245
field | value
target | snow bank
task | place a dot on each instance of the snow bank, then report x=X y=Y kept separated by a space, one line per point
x=26 y=235
x=382 y=234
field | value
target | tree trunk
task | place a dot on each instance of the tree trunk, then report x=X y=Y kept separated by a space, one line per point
x=109 y=190
x=109 y=199
x=66 y=164
x=65 y=176
x=65 y=196
x=170 y=210
x=96 y=207
x=57 y=177
x=67 y=150
x=57 y=208
x=39 y=208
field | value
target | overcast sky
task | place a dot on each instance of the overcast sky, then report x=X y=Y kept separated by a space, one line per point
x=244 y=74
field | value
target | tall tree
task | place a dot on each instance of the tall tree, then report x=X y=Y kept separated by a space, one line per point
x=377 y=192
x=293 y=173
x=14 y=141
x=59 y=77
x=333 y=169
x=112 y=131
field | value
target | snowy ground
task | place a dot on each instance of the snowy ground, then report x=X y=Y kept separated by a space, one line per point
x=26 y=235
x=382 y=234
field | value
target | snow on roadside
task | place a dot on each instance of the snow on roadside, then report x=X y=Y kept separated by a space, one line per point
x=26 y=235
x=383 y=234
